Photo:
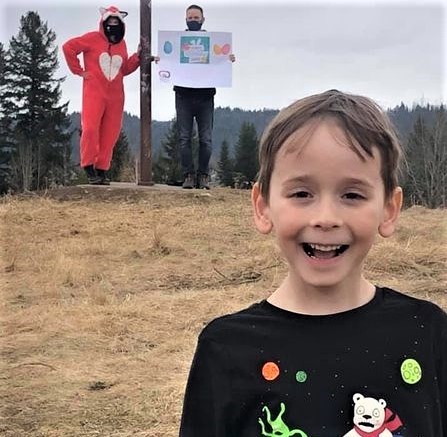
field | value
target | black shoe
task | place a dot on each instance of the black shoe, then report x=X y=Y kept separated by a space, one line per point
x=188 y=183
x=203 y=182
x=93 y=178
x=95 y=181
x=103 y=176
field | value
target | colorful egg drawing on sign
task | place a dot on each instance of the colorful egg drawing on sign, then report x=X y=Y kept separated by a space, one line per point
x=167 y=48
x=226 y=49
x=217 y=50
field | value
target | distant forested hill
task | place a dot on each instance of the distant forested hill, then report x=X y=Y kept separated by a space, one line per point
x=227 y=123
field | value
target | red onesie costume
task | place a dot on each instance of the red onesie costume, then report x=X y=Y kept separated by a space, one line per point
x=105 y=64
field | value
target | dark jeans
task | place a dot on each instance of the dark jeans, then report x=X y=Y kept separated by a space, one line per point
x=202 y=109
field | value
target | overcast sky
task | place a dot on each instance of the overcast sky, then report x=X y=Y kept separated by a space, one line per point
x=390 y=51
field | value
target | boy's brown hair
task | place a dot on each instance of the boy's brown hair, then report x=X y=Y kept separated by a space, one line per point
x=362 y=120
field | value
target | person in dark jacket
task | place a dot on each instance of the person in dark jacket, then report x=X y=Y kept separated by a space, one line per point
x=198 y=104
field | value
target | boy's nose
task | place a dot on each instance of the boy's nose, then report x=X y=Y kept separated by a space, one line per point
x=326 y=215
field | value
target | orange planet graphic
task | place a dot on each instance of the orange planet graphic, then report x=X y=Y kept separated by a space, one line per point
x=217 y=49
x=270 y=371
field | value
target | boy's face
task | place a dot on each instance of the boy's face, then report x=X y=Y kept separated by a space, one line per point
x=326 y=207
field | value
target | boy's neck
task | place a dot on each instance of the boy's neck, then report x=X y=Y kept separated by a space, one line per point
x=295 y=297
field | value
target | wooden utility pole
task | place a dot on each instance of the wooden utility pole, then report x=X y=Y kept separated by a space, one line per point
x=145 y=173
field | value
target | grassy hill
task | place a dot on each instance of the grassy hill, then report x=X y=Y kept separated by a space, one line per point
x=105 y=291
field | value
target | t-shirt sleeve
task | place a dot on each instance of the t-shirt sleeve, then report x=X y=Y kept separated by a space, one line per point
x=207 y=392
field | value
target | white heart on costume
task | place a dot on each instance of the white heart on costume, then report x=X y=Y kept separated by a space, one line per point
x=110 y=65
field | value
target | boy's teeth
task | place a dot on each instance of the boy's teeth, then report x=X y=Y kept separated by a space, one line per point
x=324 y=248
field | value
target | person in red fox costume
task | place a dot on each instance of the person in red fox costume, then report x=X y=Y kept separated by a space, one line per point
x=105 y=64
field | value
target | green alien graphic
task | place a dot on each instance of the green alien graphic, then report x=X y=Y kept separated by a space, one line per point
x=279 y=428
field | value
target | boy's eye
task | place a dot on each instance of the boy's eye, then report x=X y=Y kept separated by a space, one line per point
x=301 y=194
x=353 y=196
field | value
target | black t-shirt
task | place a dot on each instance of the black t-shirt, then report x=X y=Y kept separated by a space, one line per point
x=377 y=370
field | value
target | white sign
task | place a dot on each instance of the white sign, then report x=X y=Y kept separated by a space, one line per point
x=194 y=59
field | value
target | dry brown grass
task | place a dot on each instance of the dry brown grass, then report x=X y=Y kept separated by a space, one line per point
x=105 y=290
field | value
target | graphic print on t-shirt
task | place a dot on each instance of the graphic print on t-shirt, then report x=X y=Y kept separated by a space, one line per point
x=372 y=418
x=277 y=426
x=411 y=371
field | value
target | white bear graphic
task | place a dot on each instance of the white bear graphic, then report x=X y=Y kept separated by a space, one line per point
x=369 y=417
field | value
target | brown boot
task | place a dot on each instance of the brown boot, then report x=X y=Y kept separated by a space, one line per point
x=188 y=183
x=204 y=182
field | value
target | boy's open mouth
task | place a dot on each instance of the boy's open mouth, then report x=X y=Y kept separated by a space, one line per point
x=322 y=251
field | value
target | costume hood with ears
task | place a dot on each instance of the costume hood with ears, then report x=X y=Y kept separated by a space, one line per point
x=112 y=11
x=114 y=33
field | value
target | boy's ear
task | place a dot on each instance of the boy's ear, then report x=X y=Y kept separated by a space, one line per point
x=391 y=213
x=261 y=210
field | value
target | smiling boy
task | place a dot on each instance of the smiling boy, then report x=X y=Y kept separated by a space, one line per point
x=328 y=354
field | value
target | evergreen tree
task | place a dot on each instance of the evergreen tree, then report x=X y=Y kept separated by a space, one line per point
x=157 y=170
x=39 y=133
x=5 y=151
x=246 y=162
x=225 y=166
x=168 y=169
x=122 y=157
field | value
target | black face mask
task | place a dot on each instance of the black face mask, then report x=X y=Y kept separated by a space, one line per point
x=194 y=25
x=114 y=32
